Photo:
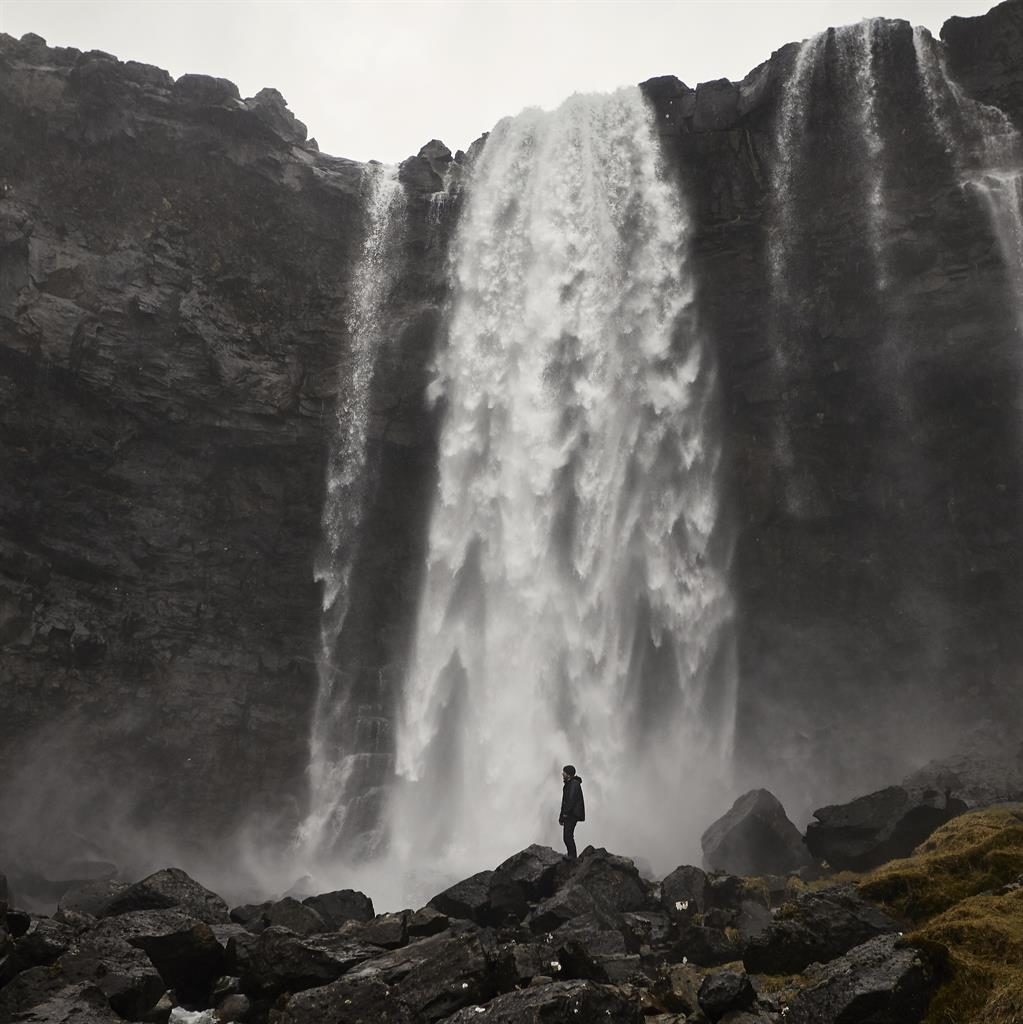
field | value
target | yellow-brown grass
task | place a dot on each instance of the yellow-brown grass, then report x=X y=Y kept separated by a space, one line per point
x=949 y=890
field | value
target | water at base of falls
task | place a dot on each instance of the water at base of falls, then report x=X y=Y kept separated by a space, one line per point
x=575 y=606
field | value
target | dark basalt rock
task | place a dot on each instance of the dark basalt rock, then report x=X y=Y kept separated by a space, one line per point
x=300 y=918
x=560 y=1002
x=755 y=837
x=70 y=1004
x=879 y=982
x=468 y=899
x=184 y=950
x=340 y=906
x=278 y=961
x=425 y=922
x=724 y=992
x=92 y=898
x=42 y=944
x=124 y=973
x=526 y=877
x=168 y=889
x=876 y=828
x=685 y=892
x=569 y=902
x=817 y=925
x=614 y=882
x=426 y=981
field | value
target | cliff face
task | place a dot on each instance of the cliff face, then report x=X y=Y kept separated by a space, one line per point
x=175 y=276
x=176 y=268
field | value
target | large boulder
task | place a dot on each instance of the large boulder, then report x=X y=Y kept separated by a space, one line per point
x=524 y=878
x=755 y=837
x=614 y=882
x=340 y=906
x=468 y=900
x=724 y=992
x=169 y=889
x=560 y=1002
x=300 y=918
x=685 y=892
x=93 y=898
x=881 y=981
x=278 y=961
x=184 y=950
x=81 y=1003
x=124 y=973
x=878 y=827
x=569 y=902
x=426 y=981
x=817 y=925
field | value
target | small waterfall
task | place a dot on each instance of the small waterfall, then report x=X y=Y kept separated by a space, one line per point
x=575 y=606
x=333 y=767
x=836 y=67
x=987 y=151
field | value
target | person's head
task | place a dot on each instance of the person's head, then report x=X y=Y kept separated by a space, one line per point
x=568 y=772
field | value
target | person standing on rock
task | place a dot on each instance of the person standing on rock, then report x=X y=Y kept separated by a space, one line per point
x=573 y=809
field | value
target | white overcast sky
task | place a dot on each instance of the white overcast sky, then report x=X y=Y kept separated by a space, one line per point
x=376 y=79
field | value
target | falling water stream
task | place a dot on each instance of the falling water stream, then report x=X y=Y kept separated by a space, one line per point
x=575 y=606
x=988 y=154
x=332 y=764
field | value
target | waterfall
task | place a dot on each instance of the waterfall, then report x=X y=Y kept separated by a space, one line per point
x=837 y=66
x=987 y=151
x=575 y=606
x=333 y=765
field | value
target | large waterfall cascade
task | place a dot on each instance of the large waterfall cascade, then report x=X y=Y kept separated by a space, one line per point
x=332 y=765
x=575 y=606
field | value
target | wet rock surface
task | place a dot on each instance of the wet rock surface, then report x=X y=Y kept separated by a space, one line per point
x=593 y=962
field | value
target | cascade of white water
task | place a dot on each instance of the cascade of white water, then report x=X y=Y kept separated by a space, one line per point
x=575 y=606
x=987 y=151
x=331 y=768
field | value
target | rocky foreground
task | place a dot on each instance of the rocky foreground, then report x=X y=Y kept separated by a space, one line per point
x=537 y=939
x=766 y=931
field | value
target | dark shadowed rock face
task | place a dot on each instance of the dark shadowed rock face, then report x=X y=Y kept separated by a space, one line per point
x=879 y=982
x=879 y=827
x=755 y=837
x=817 y=925
x=176 y=265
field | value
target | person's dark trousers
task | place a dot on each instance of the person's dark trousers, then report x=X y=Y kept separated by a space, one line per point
x=569 y=832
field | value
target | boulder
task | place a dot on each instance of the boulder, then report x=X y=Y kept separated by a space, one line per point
x=685 y=892
x=83 y=1003
x=124 y=973
x=468 y=899
x=571 y=901
x=881 y=981
x=338 y=907
x=755 y=837
x=44 y=942
x=614 y=882
x=558 y=1002
x=425 y=922
x=272 y=109
x=526 y=877
x=184 y=950
x=301 y=918
x=252 y=916
x=93 y=898
x=704 y=945
x=277 y=960
x=879 y=827
x=724 y=992
x=426 y=981
x=816 y=925
x=386 y=930
x=170 y=888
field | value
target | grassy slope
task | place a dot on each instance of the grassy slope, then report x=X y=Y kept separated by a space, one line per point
x=957 y=889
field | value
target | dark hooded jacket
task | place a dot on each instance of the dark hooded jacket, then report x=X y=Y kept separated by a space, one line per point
x=572 y=805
